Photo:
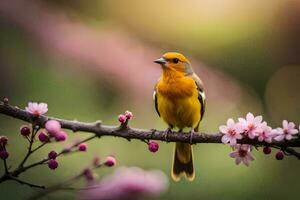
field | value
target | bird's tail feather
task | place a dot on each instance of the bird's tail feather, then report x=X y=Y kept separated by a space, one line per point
x=183 y=162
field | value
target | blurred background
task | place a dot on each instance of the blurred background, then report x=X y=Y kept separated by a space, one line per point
x=92 y=60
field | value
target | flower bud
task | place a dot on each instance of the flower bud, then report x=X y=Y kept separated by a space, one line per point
x=122 y=119
x=82 y=147
x=25 y=131
x=153 y=146
x=61 y=136
x=88 y=173
x=53 y=127
x=110 y=161
x=267 y=150
x=52 y=164
x=128 y=115
x=3 y=140
x=4 y=154
x=43 y=137
x=279 y=155
x=52 y=155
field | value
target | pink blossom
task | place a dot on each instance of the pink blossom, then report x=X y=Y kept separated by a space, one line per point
x=37 y=109
x=242 y=153
x=232 y=132
x=251 y=125
x=127 y=184
x=265 y=133
x=53 y=127
x=288 y=131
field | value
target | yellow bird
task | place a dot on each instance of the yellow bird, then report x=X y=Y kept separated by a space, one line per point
x=180 y=101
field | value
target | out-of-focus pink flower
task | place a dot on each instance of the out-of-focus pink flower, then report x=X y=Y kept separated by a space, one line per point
x=53 y=127
x=265 y=133
x=288 y=131
x=37 y=109
x=128 y=114
x=242 y=153
x=128 y=184
x=110 y=161
x=122 y=118
x=232 y=132
x=251 y=125
x=153 y=146
x=61 y=136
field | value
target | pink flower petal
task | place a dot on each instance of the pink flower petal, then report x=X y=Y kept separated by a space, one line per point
x=279 y=138
x=223 y=129
x=225 y=139
x=234 y=154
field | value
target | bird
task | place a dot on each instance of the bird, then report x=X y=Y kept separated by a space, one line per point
x=179 y=100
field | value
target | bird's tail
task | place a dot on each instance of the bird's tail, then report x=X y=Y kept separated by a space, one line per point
x=183 y=162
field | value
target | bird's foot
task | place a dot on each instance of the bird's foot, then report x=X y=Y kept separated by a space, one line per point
x=191 y=135
x=167 y=132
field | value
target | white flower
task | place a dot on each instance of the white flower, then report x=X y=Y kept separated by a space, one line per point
x=288 y=131
x=266 y=133
x=251 y=125
x=232 y=132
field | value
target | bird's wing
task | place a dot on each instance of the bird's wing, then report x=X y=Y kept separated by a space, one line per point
x=201 y=94
x=155 y=99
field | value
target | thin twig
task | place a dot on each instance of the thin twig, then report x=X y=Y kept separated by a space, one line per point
x=27 y=183
x=31 y=140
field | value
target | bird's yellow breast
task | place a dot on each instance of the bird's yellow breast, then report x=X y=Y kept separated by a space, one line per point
x=178 y=102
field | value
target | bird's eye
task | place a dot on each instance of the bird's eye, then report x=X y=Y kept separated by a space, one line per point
x=175 y=60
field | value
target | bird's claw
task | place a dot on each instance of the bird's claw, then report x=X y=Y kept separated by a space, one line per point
x=167 y=132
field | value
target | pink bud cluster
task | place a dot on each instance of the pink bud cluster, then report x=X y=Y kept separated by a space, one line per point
x=54 y=130
x=125 y=117
x=254 y=127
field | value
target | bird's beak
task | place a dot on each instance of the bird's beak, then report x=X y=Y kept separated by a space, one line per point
x=161 y=61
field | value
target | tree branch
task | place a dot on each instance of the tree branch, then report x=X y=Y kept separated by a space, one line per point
x=132 y=133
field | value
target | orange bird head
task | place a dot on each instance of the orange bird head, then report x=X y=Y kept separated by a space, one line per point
x=176 y=62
